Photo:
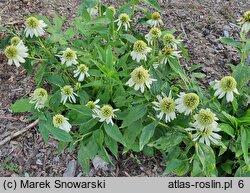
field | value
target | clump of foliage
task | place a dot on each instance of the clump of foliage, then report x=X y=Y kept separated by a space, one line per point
x=101 y=84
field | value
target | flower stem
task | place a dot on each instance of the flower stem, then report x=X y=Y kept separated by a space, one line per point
x=82 y=137
x=43 y=46
x=160 y=123
x=243 y=53
x=154 y=48
x=204 y=103
x=38 y=59
x=100 y=7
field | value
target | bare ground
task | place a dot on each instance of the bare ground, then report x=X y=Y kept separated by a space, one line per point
x=200 y=22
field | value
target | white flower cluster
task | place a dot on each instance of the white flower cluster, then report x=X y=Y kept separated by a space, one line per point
x=104 y=113
x=186 y=103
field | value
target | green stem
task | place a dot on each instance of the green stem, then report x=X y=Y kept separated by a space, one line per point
x=100 y=7
x=66 y=72
x=244 y=53
x=82 y=137
x=38 y=59
x=154 y=46
x=113 y=28
x=43 y=46
x=204 y=103
x=160 y=123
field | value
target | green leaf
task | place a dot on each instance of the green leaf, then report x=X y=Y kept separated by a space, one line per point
x=28 y=65
x=227 y=129
x=92 y=148
x=44 y=132
x=132 y=132
x=147 y=133
x=241 y=75
x=242 y=171
x=122 y=61
x=112 y=145
x=21 y=106
x=198 y=75
x=98 y=136
x=177 y=166
x=83 y=158
x=195 y=67
x=227 y=167
x=105 y=155
x=207 y=158
x=172 y=165
x=55 y=79
x=61 y=146
x=176 y=66
x=184 y=51
x=59 y=134
x=86 y=111
x=245 y=140
x=197 y=168
x=84 y=97
x=134 y=114
x=109 y=58
x=129 y=37
x=154 y=4
x=40 y=73
x=58 y=22
x=88 y=4
x=235 y=105
x=231 y=42
x=245 y=119
x=232 y=119
x=126 y=8
x=55 y=101
x=88 y=125
x=114 y=132
x=167 y=142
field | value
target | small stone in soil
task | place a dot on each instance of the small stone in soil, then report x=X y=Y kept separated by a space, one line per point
x=99 y=163
x=71 y=169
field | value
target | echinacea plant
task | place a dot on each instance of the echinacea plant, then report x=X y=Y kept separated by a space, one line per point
x=102 y=86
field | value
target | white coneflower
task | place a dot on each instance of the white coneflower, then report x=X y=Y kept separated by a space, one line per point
x=140 y=77
x=245 y=22
x=111 y=8
x=155 y=21
x=166 y=106
x=93 y=12
x=226 y=86
x=16 y=53
x=170 y=40
x=67 y=93
x=205 y=119
x=69 y=57
x=81 y=71
x=93 y=105
x=153 y=35
x=15 y=40
x=39 y=97
x=206 y=135
x=123 y=20
x=186 y=103
x=205 y=126
x=61 y=122
x=140 y=51
x=169 y=52
x=106 y=113
x=34 y=27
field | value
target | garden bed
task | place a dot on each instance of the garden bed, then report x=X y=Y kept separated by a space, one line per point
x=201 y=24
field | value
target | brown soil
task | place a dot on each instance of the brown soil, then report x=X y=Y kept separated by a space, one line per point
x=201 y=24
